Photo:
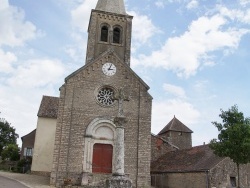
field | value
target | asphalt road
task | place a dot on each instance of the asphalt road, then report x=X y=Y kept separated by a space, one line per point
x=9 y=183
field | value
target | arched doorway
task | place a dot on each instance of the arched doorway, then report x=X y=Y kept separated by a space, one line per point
x=98 y=146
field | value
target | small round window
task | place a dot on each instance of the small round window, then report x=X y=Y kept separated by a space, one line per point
x=105 y=96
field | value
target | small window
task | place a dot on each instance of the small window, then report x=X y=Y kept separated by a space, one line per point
x=233 y=181
x=104 y=34
x=28 y=152
x=116 y=35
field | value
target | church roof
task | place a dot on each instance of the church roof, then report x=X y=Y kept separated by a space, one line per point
x=175 y=125
x=48 y=107
x=114 y=6
x=199 y=158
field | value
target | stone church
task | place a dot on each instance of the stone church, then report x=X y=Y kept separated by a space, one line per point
x=84 y=128
x=76 y=135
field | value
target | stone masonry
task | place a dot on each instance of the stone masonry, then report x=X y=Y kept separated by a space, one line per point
x=82 y=121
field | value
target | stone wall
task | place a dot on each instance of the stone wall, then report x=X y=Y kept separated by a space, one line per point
x=96 y=47
x=159 y=147
x=179 y=180
x=78 y=107
x=221 y=173
x=217 y=177
x=182 y=140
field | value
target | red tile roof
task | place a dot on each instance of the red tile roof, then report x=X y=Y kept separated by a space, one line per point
x=48 y=107
x=175 y=125
x=198 y=158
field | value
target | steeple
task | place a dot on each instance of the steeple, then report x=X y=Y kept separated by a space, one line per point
x=109 y=30
x=114 y=6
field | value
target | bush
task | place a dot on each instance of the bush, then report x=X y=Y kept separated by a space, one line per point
x=10 y=152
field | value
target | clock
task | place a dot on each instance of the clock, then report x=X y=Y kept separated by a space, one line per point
x=109 y=69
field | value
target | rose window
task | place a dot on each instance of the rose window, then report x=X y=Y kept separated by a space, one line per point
x=105 y=96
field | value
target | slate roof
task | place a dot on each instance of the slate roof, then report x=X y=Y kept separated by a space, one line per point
x=114 y=6
x=175 y=125
x=199 y=158
x=32 y=132
x=48 y=107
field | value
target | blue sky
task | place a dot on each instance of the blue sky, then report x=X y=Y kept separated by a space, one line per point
x=193 y=54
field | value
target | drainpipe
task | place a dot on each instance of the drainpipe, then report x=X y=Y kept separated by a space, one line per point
x=138 y=132
x=207 y=179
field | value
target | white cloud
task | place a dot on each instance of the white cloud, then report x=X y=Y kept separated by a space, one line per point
x=21 y=91
x=159 y=4
x=244 y=2
x=164 y=111
x=6 y=60
x=192 y=4
x=240 y=15
x=80 y=15
x=175 y=90
x=14 y=29
x=142 y=34
x=37 y=73
x=186 y=53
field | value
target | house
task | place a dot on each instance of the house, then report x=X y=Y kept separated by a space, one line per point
x=45 y=136
x=28 y=145
x=197 y=167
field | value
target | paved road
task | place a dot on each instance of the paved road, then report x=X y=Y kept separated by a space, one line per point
x=9 y=183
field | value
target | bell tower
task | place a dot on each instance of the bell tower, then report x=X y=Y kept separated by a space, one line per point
x=91 y=145
x=109 y=30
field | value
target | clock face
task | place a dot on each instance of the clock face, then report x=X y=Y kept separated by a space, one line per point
x=109 y=69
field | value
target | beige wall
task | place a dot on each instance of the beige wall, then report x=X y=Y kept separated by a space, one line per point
x=44 y=145
x=180 y=180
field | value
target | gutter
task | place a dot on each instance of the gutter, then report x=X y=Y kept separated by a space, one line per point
x=183 y=171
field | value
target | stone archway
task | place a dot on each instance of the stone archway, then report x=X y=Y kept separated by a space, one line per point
x=99 y=131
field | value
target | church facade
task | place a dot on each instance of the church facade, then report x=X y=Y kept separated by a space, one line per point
x=85 y=131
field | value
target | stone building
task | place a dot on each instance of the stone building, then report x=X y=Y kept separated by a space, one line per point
x=28 y=145
x=197 y=167
x=177 y=133
x=76 y=132
x=160 y=146
x=83 y=128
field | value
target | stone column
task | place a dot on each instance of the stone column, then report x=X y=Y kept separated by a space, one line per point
x=118 y=180
x=119 y=146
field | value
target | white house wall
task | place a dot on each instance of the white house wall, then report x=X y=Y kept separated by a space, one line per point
x=44 y=145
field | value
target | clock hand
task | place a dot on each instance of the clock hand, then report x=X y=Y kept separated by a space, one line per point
x=110 y=67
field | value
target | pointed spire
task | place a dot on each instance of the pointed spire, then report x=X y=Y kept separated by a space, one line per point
x=114 y=6
x=175 y=125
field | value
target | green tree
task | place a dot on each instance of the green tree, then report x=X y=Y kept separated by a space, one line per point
x=7 y=134
x=234 y=137
x=11 y=152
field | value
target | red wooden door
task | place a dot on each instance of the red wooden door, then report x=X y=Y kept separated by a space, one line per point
x=102 y=158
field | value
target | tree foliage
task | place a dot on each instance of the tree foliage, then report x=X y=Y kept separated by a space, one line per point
x=234 y=137
x=10 y=152
x=7 y=134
